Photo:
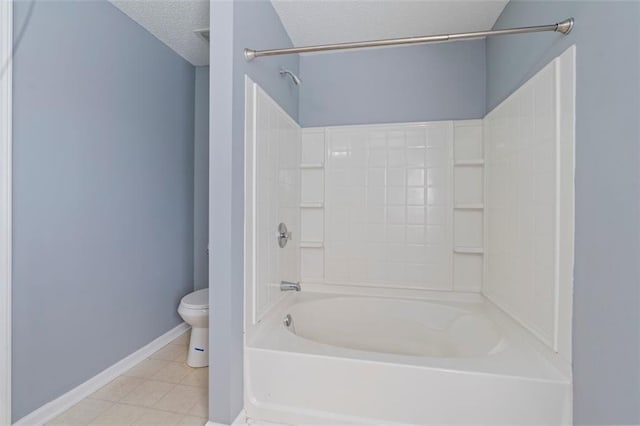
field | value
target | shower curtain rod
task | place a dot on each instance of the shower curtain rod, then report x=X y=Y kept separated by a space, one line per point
x=563 y=27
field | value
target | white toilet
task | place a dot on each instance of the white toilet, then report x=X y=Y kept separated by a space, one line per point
x=194 y=310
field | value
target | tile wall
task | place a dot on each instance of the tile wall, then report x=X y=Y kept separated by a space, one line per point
x=277 y=148
x=529 y=144
x=378 y=206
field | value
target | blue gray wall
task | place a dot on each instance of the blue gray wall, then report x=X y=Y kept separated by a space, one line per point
x=606 y=334
x=415 y=83
x=201 y=181
x=234 y=26
x=103 y=194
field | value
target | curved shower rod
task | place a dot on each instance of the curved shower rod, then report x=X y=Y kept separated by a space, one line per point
x=563 y=27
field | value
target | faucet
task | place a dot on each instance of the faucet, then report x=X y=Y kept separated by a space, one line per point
x=289 y=286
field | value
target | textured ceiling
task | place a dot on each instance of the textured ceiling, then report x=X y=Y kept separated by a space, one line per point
x=317 y=21
x=173 y=22
x=311 y=22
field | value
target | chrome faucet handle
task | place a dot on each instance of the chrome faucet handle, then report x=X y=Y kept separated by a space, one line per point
x=284 y=235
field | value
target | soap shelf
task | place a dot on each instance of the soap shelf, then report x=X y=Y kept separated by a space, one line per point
x=311 y=205
x=468 y=250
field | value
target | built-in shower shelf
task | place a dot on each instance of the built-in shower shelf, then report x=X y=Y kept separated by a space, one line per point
x=311 y=205
x=311 y=244
x=468 y=250
x=469 y=163
x=312 y=166
x=469 y=206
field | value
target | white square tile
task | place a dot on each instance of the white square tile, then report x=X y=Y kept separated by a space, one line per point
x=395 y=139
x=438 y=215
x=396 y=195
x=396 y=215
x=357 y=176
x=312 y=147
x=437 y=177
x=468 y=143
x=436 y=235
x=312 y=222
x=415 y=177
x=376 y=195
x=312 y=267
x=396 y=177
x=468 y=185
x=416 y=138
x=416 y=157
x=377 y=139
x=468 y=226
x=395 y=233
x=376 y=177
x=415 y=234
x=377 y=158
x=415 y=215
x=312 y=186
x=436 y=157
x=438 y=135
x=375 y=214
x=415 y=196
x=396 y=158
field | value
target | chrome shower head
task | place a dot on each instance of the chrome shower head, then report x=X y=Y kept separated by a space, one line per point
x=296 y=80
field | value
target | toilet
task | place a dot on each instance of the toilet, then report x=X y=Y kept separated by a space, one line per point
x=194 y=310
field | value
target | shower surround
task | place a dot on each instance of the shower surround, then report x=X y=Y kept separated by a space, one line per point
x=435 y=260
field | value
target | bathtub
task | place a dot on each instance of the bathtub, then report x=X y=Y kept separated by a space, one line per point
x=322 y=358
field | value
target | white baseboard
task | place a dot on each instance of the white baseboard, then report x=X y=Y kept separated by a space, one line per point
x=239 y=421
x=59 y=405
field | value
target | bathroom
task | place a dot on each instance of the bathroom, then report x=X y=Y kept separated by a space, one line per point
x=461 y=218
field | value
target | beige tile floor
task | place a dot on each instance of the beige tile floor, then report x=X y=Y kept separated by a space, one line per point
x=161 y=390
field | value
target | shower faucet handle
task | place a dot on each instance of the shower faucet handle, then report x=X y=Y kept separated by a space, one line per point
x=283 y=235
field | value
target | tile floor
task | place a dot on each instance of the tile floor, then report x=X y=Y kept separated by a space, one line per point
x=161 y=390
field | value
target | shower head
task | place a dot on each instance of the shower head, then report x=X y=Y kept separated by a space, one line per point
x=296 y=80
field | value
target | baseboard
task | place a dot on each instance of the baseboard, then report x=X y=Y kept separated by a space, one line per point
x=239 y=421
x=59 y=405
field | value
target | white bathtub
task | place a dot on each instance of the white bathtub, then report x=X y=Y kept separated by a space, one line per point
x=368 y=360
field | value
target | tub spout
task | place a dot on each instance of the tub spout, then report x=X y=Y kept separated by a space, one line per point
x=289 y=286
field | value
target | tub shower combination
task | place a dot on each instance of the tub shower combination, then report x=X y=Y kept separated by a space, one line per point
x=423 y=274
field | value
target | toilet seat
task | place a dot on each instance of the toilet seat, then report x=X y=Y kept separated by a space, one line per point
x=197 y=300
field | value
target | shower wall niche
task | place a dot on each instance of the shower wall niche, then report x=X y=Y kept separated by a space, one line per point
x=393 y=207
